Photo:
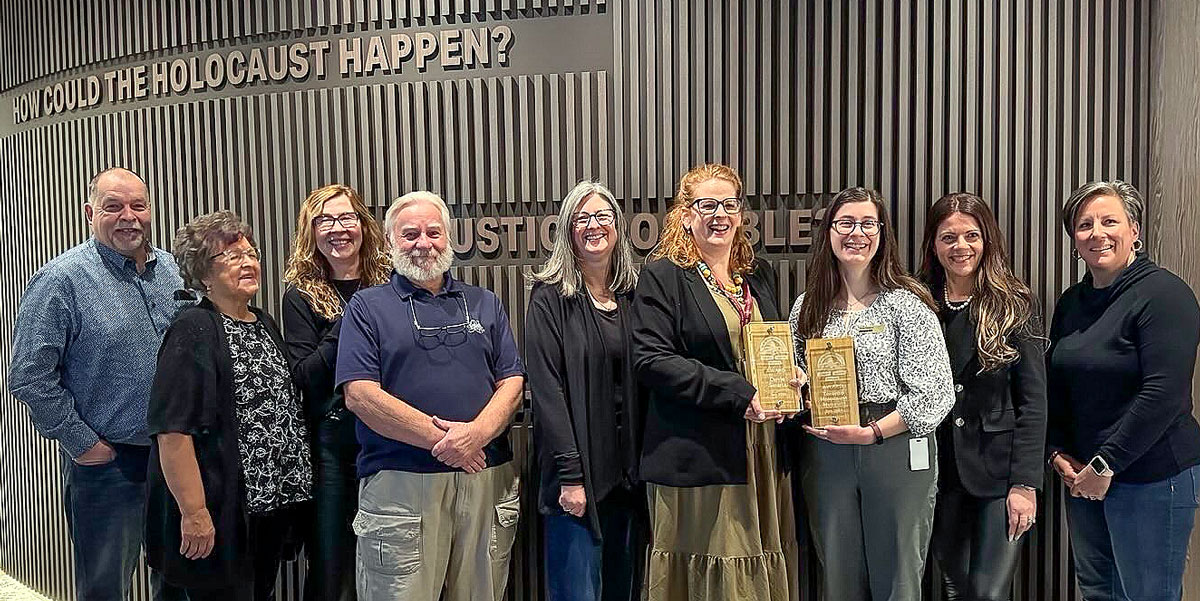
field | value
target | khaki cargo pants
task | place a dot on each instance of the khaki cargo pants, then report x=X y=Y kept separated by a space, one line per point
x=422 y=534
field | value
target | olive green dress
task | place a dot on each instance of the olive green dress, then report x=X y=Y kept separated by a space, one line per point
x=727 y=541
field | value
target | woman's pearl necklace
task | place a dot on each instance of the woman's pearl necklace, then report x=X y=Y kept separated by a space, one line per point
x=954 y=306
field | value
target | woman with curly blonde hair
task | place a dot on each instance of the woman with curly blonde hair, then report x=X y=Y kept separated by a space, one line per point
x=338 y=249
x=720 y=500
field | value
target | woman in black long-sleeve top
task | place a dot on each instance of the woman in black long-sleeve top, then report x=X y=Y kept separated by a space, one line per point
x=720 y=502
x=991 y=446
x=586 y=410
x=230 y=473
x=337 y=249
x=1121 y=432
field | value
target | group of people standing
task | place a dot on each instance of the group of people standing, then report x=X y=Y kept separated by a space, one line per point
x=373 y=428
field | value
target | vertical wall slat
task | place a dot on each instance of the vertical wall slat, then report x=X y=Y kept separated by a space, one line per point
x=913 y=96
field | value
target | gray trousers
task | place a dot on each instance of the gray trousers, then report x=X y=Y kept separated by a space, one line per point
x=871 y=517
x=447 y=536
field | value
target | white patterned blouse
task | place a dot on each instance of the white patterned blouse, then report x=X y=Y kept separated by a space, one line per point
x=900 y=356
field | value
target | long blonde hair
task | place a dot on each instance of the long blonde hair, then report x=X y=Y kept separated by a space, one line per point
x=677 y=243
x=309 y=271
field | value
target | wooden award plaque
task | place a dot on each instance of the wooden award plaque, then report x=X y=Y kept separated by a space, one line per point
x=770 y=364
x=832 y=381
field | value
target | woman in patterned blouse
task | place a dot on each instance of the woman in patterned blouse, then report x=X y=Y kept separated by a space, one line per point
x=229 y=461
x=869 y=488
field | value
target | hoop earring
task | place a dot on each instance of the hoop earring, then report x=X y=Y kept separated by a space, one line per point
x=1137 y=245
x=1075 y=254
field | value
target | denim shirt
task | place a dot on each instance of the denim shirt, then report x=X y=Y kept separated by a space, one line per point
x=86 y=340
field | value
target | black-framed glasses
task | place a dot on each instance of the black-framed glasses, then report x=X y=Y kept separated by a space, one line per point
x=708 y=206
x=603 y=217
x=235 y=255
x=845 y=227
x=325 y=223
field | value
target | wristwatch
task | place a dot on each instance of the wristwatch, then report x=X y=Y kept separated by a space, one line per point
x=1100 y=466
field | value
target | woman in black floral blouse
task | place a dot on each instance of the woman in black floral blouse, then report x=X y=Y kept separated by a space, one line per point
x=229 y=459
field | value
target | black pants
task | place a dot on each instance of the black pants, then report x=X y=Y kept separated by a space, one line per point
x=970 y=544
x=268 y=534
x=331 y=542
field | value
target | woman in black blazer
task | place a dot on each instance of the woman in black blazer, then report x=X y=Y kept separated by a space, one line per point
x=586 y=408
x=720 y=500
x=990 y=464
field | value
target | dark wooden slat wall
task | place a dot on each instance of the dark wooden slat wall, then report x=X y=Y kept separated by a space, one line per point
x=1175 y=165
x=1019 y=100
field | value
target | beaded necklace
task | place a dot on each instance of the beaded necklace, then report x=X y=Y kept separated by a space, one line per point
x=954 y=305
x=737 y=292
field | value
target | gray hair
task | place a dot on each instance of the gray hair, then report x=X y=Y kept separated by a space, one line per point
x=1131 y=199
x=93 y=190
x=389 y=220
x=203 y=237
x=562 y=268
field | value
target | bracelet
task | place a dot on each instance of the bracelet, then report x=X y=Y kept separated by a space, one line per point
x=1025 y=487
x=878 y=432
x=1053 y=456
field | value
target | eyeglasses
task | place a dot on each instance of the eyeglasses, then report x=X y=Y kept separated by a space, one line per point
x=325 y=223
x=845 y=227
x=708 y=206
x=604 y=218
x=451 y=335
x=235 y=256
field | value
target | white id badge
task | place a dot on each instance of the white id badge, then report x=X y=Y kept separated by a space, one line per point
x=918 y=453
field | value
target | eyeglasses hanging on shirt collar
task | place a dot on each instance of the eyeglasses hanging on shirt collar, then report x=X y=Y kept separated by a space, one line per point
x=469 y=324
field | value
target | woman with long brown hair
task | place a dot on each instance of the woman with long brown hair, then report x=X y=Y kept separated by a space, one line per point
x=338 y=249
x=720 y=501
x=991 y=447
x=869 y=488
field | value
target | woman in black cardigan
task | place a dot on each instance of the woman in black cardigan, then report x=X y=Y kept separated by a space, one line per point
x=720 y=501
x=229 y=462
x=990 y=448
x=586 y=410
x=337 y=251
x=1121 y=432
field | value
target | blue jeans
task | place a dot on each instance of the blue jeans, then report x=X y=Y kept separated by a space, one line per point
x=105 y=507
x=581 y=568
x=1132 y=545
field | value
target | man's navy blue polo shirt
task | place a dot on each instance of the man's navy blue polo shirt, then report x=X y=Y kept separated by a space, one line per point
x=448 y=372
